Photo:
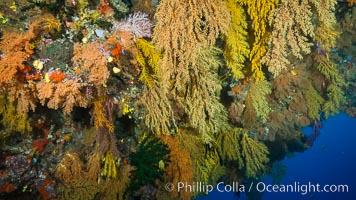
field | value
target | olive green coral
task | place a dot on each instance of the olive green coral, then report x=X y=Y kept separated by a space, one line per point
x=257 y=97
x=335 y=95
x=236 y=145
x=314 y=102
x=254 y=155
x=11 y=120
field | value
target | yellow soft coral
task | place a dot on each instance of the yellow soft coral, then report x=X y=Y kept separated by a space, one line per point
x=126 y=108
x=109 y=169
x=236 y=49
x=259 y=11
x=51 y=25
x=147 y=57
x=11 y=119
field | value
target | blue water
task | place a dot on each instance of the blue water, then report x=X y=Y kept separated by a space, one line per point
x=331 y=160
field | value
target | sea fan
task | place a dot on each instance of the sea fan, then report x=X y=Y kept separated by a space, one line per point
x=137 y=23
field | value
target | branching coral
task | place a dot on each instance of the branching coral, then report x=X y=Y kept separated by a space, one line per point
x=208 y=168
x=100 y=116
x=236 y=145
x=148 y=59
x=13 y=70
x=201 y=101
x=109 y=169
x=335 y=95
x=146 y=160
x=190 y=60
x=62 y=95
x=12 y=120
x=10 y=63
x=176 y=78
x=281 y=123
x=24 y=96
x=70 y=167
x=82 y=181
x=259 y=12
x=257 y=97
x=157 y=109
x=293 y=29
x=180 y=168
x=92 y=62
x=348 y=29
x=254 y=155
x=286 y=83
x=201 y=22
x=20 y=42
x=292 y=25
x=115 y=188
x=227 y=142
x=137 y=23
x=236 y=48
x=325 y=32
x=314 y=103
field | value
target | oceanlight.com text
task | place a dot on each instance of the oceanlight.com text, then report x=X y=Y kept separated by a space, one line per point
x=301 y=188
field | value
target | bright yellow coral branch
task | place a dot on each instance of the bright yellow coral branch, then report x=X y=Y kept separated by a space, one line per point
x=236 y=48
x=109 y=169
x=259 y=11
x=148 y=58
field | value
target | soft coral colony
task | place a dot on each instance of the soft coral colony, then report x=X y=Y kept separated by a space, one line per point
x=113 y=99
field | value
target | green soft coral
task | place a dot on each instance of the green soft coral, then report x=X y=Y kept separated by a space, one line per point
x=227 y=142
x=335 y=95
x=236 y=145
x=257 y=97
x=150 y=152
x=314 y=102
x=208 y=168
x=254 y=155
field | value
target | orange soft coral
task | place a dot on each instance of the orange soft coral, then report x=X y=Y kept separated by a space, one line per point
x=57 y=76
x=113 y=46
